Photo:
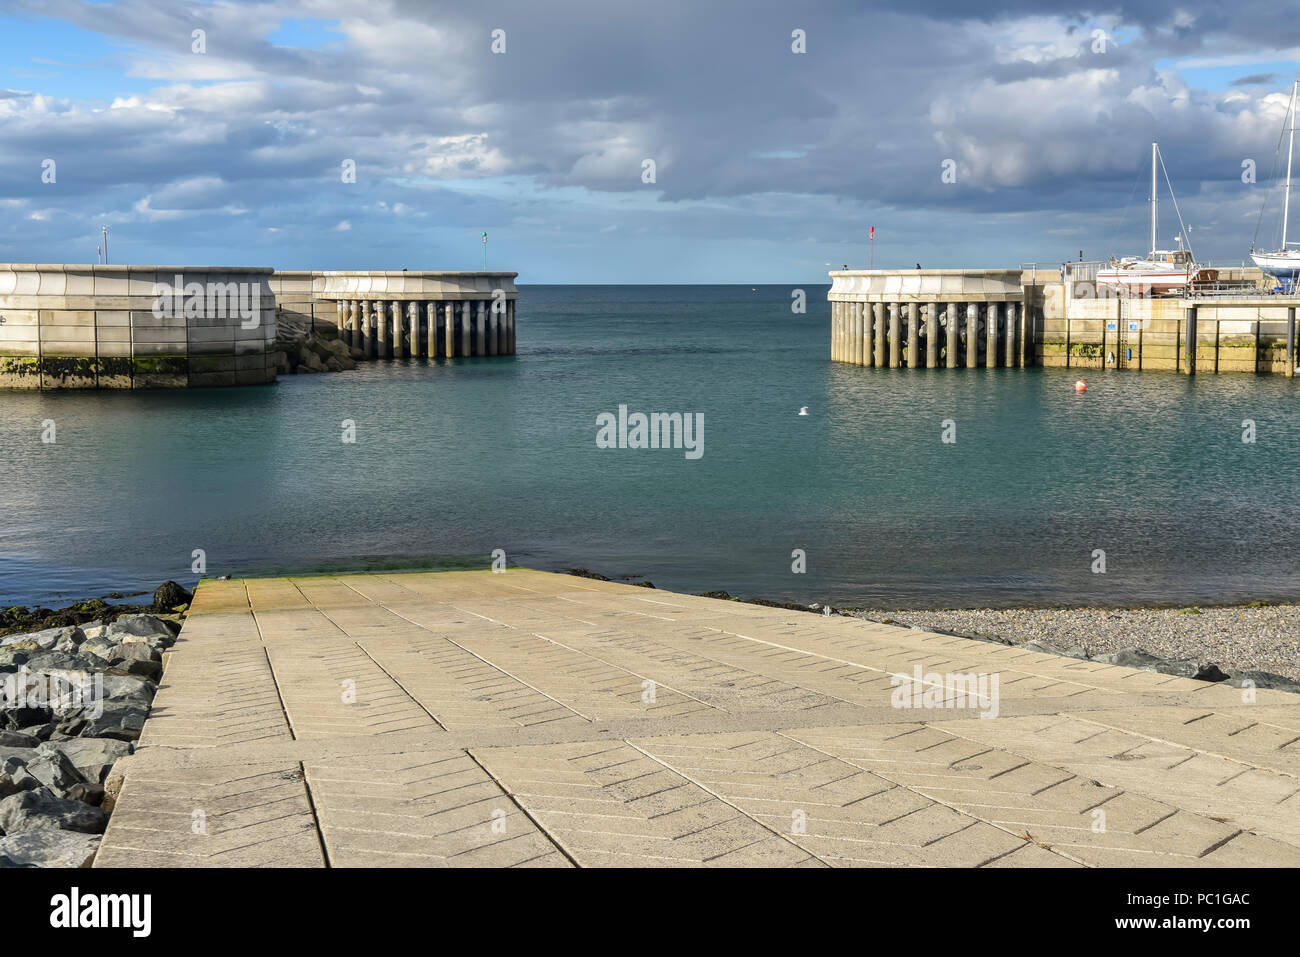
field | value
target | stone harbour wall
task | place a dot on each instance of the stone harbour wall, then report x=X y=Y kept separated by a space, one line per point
x=135 y=327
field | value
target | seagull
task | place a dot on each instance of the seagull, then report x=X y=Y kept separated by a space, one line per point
x=803 y=410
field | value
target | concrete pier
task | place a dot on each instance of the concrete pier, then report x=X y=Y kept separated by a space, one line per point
x=136 y=327
x=986 y=318
x=955 y=302
x=432 y=315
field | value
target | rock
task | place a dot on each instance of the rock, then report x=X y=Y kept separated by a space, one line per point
x=94 y=756
x=13 y=719
x=100 y=646
x=1263 y=679
x=134 y=650
x=116 y=722
x=42 y=731
x=62 y=661
x=47 y=848
x=355 y=353
x=169 y=594
x=88 y=792
x=53 y=769
x=90 y=755
x=11 y=659
x=141 y=667
x=15 y=777
x=39 y=809
x=17 y=739
x=1071 y=651
x=46 y=640
x=123 y=688
x=1182 y=668
x=1129 y=658
x=93 y=629
x=140 y=626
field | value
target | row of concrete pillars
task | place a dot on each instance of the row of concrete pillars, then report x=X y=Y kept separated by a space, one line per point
x=931 y=335
x=431 y=330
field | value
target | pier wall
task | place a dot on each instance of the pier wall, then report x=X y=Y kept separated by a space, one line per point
x=433 y=315
x=135 y=327
x=933 y=318
x=1231 y=334
x=1008 y=318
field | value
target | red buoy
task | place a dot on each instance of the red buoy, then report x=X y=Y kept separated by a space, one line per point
x=1080 y=386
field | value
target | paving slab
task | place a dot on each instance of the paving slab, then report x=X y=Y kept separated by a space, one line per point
x=529 y=719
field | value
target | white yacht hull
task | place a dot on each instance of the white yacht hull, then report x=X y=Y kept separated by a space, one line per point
x=1279 y=265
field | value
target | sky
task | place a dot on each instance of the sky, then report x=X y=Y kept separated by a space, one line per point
x=968 y=136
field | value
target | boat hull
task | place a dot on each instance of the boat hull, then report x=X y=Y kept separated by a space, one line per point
x=1140 y=279
x=1279 y=265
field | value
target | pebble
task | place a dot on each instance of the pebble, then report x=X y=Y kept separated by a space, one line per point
x=1236 y=638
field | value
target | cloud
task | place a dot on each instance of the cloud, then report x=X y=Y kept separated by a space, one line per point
x=751 y=141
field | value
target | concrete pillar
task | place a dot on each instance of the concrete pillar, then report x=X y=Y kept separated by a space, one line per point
x=354 y=330
x=492 y=329
x=954 y=322
x=449 y=329
x=510 y=327
x=913 y=336
x=398 y=311
x=413 y=318
x=1290 y=342
x=878 y=333
x=480 y=327
x=932 y=334
x=1189 y=341
x=991 y=337
x=341 y=308
x=502 y=345
x=1025 y=330
x=836 y=351
x=1010 y=357
x=367 y=342
x=856 y=333
x=972 y=335
x=381 y=329
x=895 y=338
x=464 y=348
x=430 y=317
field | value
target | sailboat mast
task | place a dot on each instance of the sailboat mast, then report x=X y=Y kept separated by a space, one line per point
x=1153 y=198
x=1286 y=201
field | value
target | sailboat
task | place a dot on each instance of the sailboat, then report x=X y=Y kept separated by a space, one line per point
x=1283 y=263
x=1161 y=270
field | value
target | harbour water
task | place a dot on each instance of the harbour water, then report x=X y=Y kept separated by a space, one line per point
x=454 y=459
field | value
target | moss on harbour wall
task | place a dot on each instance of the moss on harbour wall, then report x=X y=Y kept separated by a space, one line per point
x=131 y=372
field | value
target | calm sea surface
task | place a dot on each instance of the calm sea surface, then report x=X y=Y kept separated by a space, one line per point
x=455 y=459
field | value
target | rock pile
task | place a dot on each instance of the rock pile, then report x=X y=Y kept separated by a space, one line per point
x=73 y=700
x=311 y=348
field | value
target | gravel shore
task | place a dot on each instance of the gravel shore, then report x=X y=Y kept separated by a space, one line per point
x=1264 y=638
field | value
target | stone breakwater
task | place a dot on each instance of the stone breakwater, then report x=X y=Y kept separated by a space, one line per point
x=73 y=700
